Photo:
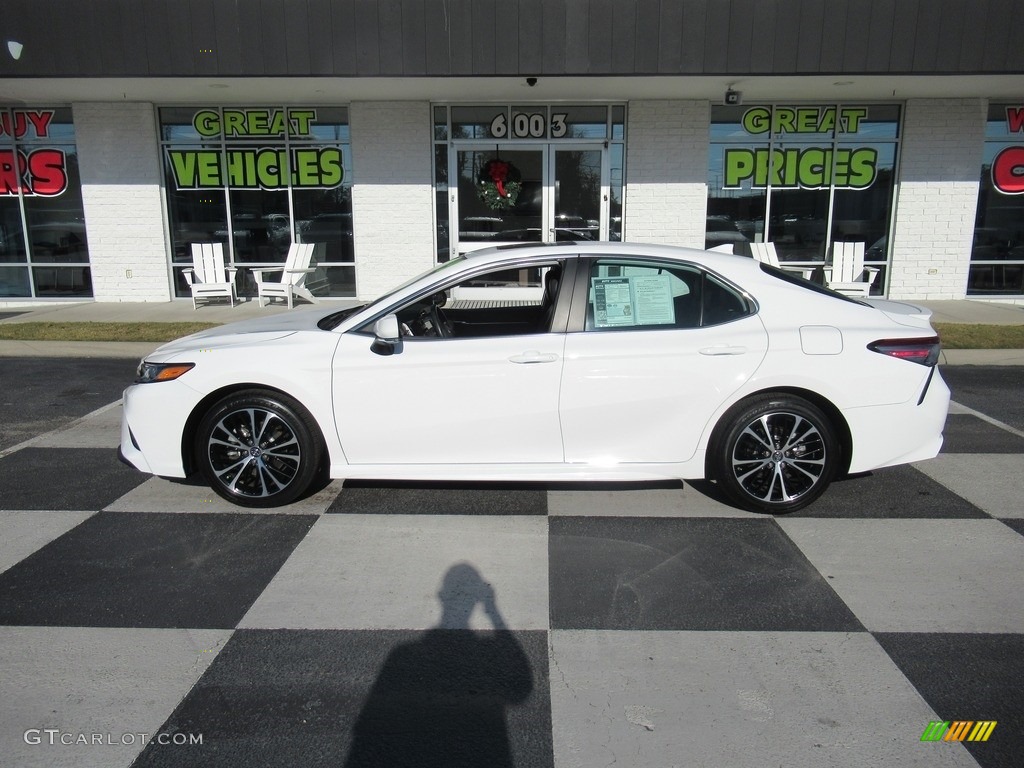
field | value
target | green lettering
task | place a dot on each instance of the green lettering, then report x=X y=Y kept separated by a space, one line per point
x=783 y=121
x=302 y=119
x=259 y=123
x=863 y=167
x=332 y=167
x=183 y=166
x=812 y=168
x=208 y=169
x=828 y=120
x=268 y=164
x=277 y=124
x=206 y=122
x=807 y=120
x=757 y=120
x=234 y=122
x=851 y=118
x=306 y=172
x=739 y=166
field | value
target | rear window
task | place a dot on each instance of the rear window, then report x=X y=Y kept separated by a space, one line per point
x=795 y=279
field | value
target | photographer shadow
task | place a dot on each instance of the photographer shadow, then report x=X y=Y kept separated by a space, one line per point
x=442 y=699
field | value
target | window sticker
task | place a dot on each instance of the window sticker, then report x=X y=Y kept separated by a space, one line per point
x=623 y=302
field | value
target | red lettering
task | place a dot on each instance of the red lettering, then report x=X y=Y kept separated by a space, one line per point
x=1015 y=119
x=48 y=178
x=10 y=175
x=41 y=173
x=41 y=122
x=1008 y=171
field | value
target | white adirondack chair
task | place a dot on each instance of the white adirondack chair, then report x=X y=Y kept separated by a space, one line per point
x=292 y=282
x=766 y=253
x=847 y=273
x=208 y=278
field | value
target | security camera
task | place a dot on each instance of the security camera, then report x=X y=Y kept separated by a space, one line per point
x=531 y=81
x=733 y=98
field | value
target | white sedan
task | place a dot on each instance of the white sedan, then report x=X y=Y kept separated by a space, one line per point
x=636 y=362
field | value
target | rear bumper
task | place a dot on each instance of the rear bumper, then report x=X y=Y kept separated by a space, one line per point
x=902 y=433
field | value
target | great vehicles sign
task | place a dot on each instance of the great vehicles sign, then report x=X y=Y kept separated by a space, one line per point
x=276 y=166
x=805 y=165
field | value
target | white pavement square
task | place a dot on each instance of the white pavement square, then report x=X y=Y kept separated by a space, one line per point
x=920 y=575
x=385 y=572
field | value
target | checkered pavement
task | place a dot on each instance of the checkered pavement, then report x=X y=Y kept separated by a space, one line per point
x=508 y=625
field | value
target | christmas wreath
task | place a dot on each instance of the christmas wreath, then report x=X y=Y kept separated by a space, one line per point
x=498 y=184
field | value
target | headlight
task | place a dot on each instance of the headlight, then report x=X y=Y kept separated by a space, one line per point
x=148 y=373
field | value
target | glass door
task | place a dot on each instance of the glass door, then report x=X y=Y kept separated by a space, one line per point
x=516 y=193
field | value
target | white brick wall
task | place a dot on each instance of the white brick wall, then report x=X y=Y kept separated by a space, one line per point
x=392 y=193
x=119 y=157
x=666 y=172
x=937 y=198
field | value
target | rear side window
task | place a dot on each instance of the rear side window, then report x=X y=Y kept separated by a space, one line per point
x=793 y=279
x=628 y=295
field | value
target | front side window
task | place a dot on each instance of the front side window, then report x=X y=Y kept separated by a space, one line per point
x=43 y=246
x=258 y=179
x=997 y=256
x=625 y=295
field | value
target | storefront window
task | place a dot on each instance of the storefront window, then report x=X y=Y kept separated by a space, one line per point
x=258 y=179
x=997 y=258
x=803 y=177
x=43 y=247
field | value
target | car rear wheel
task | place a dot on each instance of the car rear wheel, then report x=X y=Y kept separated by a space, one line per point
x=775 y=453
x=258 y=449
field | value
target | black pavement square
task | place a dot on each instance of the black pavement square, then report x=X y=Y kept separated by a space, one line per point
x=435 y=698
x=1017 y=525
x=383 y=498
x=968 y=677
x=151 y=570
x=890 y=493
x=686 y=574
x=965 y=433
x=65 y=479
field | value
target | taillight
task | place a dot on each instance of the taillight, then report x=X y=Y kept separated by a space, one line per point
x=924 y=351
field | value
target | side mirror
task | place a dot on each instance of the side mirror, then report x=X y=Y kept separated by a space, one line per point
x=387 y=335
x=386 y=329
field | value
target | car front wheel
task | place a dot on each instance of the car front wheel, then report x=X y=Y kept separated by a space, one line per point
x=776 y=453
x=258 y=449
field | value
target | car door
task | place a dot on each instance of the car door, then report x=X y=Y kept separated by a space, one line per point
x=663 y=345
x=474 y=399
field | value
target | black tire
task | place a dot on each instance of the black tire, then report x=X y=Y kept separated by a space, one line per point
x=257 y=448
x=775 y=453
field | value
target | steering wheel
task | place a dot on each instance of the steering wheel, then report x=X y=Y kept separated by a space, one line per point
x=442 y=323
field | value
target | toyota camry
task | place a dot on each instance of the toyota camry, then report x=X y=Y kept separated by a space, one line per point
x=624 y=362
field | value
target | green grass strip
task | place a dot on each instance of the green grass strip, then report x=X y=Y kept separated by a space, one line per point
x=99 y=331
x=972 y=336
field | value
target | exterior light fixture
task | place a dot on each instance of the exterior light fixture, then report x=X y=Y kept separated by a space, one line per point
x=15 y=48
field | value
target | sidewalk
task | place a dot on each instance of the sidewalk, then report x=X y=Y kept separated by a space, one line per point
x=181 y=311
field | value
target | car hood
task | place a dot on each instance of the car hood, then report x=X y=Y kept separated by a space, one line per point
x=246 y=332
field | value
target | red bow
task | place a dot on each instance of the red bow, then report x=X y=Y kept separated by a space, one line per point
x=498 y=172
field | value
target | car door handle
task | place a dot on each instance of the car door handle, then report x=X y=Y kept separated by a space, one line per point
x=724 y=350
x=533 y=356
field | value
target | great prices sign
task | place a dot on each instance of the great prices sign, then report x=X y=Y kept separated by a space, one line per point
x=267 y=167
x=804 y=166
x=31 y=172
x=1008 y=165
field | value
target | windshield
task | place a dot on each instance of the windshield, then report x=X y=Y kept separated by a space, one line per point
x=334 y=320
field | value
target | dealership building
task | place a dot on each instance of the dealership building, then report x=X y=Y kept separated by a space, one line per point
x=398 y=133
